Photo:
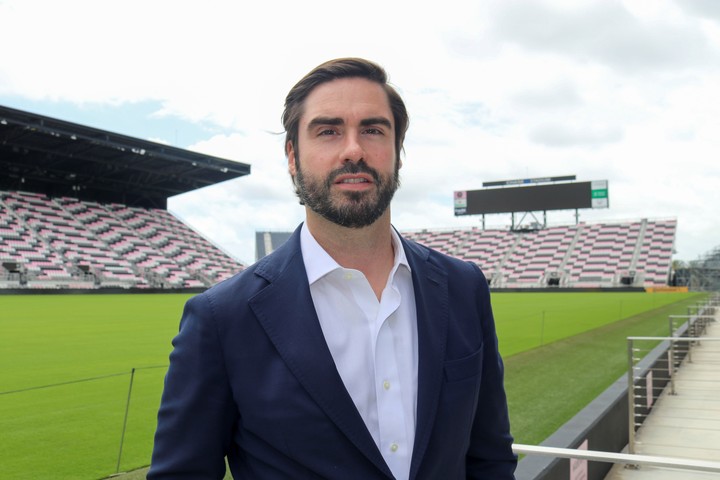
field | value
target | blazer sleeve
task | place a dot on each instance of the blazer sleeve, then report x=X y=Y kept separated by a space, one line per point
x=197 y=412
x=490 y=454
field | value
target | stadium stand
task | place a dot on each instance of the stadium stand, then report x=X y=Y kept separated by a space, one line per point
x=267 y=242
x=636 y=253
x=600 y=255
x=69 y=243
x=83 y=208
x=702 y=274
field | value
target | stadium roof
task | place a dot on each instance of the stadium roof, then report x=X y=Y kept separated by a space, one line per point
x=58 y=158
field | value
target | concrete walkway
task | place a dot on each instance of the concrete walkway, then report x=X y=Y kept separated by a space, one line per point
x=685 y=425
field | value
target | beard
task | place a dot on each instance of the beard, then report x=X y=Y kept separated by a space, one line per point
x=354 y=209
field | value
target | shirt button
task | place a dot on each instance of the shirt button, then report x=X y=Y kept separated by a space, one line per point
x=348 y=276
x=386 y=385
x=394 y=447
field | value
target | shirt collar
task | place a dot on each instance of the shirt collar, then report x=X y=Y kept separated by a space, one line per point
x=319 y=263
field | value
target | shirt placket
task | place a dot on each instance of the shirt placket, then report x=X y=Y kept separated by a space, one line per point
x=394 y=443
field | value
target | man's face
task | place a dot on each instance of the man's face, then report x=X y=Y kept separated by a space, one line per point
x=348 y=171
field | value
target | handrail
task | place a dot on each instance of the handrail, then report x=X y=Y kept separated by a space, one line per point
x=621 y=458
x=670 y=378
x=676 y=339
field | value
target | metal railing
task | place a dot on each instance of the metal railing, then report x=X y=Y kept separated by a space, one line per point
x=619 y=458
x=646 y=381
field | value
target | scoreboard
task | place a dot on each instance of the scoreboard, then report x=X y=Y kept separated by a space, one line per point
x=532 y=198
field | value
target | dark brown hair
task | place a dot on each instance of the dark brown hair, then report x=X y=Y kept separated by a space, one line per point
x=332 y=70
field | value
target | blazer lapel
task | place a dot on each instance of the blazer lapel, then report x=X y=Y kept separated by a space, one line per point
x=285 y=310
x=431 y=298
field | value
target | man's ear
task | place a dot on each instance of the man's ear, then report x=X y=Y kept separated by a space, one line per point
x=290 y=153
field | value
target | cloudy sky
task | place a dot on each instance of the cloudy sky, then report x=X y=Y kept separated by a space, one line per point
x=624 y=91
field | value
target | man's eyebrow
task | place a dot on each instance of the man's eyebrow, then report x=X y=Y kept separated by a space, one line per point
x=335 y=121
x=375 y=121
x=317 y=121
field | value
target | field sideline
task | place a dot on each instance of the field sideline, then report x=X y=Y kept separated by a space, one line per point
x=71 y=427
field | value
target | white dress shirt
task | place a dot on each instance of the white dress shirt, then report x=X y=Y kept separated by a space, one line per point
x=373 y=344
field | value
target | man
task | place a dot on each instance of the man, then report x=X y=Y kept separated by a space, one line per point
x=348 y=353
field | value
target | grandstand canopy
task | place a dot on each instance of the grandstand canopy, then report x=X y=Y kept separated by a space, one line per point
x=58 y=158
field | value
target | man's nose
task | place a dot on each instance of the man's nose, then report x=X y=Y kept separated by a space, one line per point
x=353 y=150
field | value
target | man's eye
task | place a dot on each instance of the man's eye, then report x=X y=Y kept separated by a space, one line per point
x=374 y=131
x=327 y=131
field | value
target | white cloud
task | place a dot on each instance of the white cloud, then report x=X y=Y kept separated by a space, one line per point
x=573 y=135
x=606 y=32
x=618 y=90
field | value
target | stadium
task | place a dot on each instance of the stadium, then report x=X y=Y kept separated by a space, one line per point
x=94 y=271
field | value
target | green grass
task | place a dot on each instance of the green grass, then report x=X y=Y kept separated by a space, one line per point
x=49 y=339
x=73 y=430
x=529 y=320
x=548 y=385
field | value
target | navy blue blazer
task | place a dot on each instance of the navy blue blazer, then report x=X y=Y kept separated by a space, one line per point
x=252 y=379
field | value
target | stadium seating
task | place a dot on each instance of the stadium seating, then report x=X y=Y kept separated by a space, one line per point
x=635 y=253
x=68 y=243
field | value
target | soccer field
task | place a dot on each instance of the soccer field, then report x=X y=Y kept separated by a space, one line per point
x=67 y=362
x=529 y=320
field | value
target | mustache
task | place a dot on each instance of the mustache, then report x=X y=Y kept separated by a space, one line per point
x=351 y=168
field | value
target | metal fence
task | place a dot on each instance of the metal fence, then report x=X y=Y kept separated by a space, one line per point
x=89 y=427
x=647 y=381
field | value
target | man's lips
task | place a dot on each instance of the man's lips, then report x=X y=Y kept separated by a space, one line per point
x=353 y=179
